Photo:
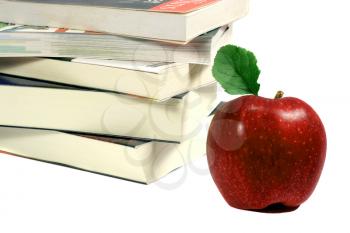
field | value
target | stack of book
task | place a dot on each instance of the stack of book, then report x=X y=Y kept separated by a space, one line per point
x=115 y=87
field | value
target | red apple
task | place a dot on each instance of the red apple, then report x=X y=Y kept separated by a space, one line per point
x=264 y=152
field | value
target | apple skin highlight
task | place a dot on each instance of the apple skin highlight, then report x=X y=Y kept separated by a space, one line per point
x=263 y=152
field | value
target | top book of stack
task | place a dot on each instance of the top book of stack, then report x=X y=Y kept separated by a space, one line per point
x=176 y=21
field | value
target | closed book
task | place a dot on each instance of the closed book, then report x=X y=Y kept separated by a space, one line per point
x=155 y=80
x=136 y=160
x=31 y=41
x=34 y=104
x=175 y=21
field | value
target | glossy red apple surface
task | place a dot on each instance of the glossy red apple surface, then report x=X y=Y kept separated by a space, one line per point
x=263 y=152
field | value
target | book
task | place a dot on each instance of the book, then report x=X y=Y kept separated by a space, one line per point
x=177 y=21
x=42 y=105
x=31 y=41
x=136 y=160
x=155 y=80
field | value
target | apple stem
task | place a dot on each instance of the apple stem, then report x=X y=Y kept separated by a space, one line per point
x=279 y=95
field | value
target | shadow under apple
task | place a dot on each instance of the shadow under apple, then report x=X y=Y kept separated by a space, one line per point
x=276 y=209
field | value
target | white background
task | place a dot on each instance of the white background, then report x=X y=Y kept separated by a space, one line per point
x=302 y=48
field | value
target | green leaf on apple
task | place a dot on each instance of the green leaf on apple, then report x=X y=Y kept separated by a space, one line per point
x=3 y=24
x=236 y=69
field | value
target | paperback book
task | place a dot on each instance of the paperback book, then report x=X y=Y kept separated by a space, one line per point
x=42 y=105
x=32 y=41
x=175 y=21
x=158 y=81
x=141 y=161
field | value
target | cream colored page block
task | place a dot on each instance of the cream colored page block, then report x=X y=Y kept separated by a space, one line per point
x=145 y=163
x=93 y=112
x=87 y=154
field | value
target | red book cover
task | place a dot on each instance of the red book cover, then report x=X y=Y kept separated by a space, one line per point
x=182 y=6
x=174 y=6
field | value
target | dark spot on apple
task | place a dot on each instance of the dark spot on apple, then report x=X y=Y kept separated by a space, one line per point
x=277 y=208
